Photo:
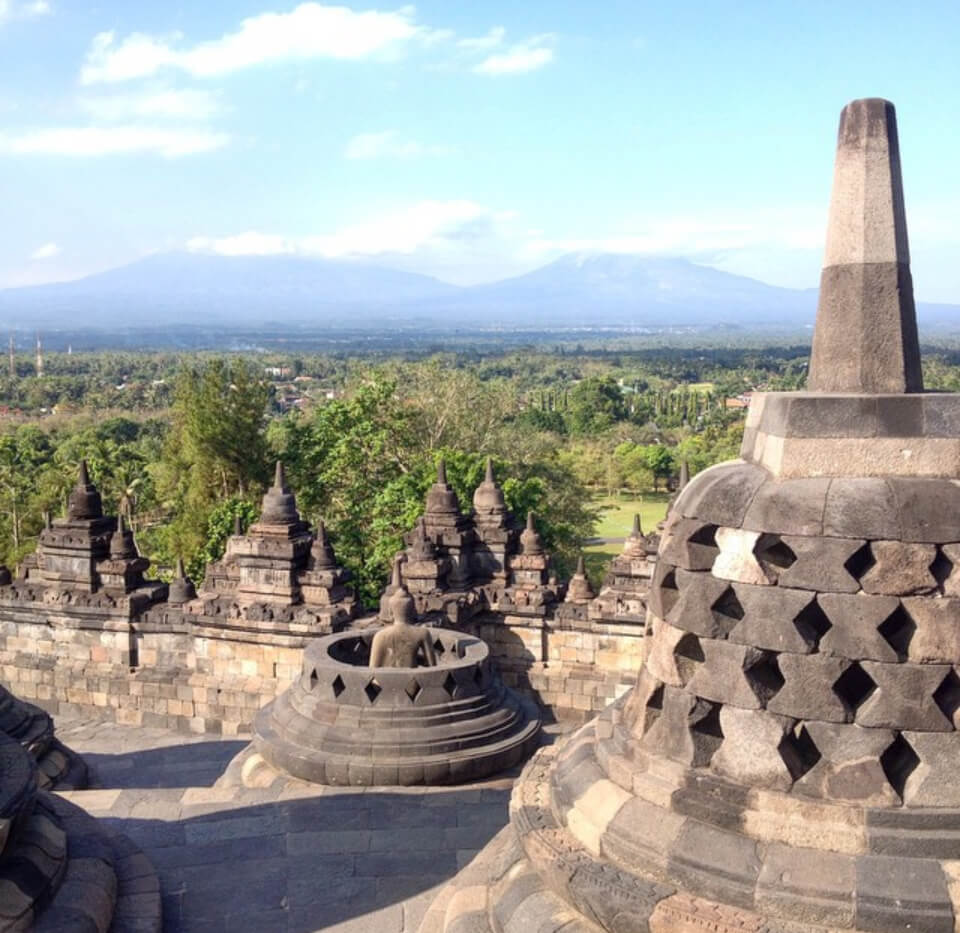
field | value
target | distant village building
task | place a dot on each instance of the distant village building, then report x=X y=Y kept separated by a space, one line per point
x=738 y=401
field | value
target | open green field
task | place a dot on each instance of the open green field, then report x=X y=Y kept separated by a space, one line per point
x=616 y=521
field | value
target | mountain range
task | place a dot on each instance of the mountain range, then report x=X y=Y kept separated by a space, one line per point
x=588 y=290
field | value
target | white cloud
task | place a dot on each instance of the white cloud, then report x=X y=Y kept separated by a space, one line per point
x=529 y=55
x=482 y=43
x=187 y=104
x=90 y=141
x=389 y=144
x=798 y=228
x=310 y=30
x=434 y=224
x=47 y=251
x=10 y=10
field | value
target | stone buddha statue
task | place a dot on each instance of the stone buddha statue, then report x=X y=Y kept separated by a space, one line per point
x=403 y=643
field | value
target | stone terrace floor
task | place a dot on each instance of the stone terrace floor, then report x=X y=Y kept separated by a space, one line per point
x=295 y=857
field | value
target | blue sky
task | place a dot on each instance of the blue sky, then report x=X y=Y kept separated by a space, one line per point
x=467 y=140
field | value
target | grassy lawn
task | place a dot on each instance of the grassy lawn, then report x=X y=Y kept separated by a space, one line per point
x=616 y=521
x=616 y=518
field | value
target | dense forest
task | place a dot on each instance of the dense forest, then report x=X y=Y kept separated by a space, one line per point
x=183 y=445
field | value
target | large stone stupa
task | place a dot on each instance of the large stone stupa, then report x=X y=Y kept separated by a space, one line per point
x=788 y=760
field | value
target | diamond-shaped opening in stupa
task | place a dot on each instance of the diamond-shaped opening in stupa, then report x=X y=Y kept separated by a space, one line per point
x=899 y=761
x=372 y=690
x=854 y=687
x=898 y=630
x=798 y=751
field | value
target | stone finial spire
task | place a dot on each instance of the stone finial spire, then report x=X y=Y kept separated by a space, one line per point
x=422 y=546
x=865 y=339
x=530 y=541
x=488 y=502
x=441 y=499
x=237 y=526
x=181 y=589
x=84 y=502
x=122 y=546
x=280 y=477
x=321 y=552
x=396 y=582
x=579 y=589
x=279 y=506
x=684 y=475
x=636 y=531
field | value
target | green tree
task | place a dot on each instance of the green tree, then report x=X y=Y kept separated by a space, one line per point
x=596 y=404
x=216 y=449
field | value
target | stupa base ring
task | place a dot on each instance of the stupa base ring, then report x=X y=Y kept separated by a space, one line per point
x=345 y=723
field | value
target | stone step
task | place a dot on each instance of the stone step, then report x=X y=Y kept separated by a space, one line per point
x=32 y=867
x=109 y=886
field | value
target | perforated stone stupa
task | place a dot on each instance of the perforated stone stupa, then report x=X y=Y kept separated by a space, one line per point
x=788 y=759
x=358 y=716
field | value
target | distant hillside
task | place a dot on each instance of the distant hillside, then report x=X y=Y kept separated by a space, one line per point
x=615 y=289
x=177 y=288
x=590 y=290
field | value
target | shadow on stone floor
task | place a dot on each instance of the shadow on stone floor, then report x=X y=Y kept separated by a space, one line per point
x=344 y=860
x=197 y=764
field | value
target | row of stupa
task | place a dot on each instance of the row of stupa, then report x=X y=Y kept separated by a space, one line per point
x=282 y=572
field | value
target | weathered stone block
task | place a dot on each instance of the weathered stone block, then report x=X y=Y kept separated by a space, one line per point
x=812 y=414
x=750 y=752
x=900 y=569
x=735 y=674
x=737 y=560
x=951 y=554
x=688 y=544
x=721 y=495
x=904 y=697
x=849 y=768
x=935 y=637
x=928 y=508
x=663 y=590
x=932 y=782
x=720 y=865
x=809 y=886
x=662 y=662
x=855 y=622
x=808 y=690
x=896 y=894
x=821 y=564
x=686 y=730
x=773 y=618
x=861 y=508
x=702 y=607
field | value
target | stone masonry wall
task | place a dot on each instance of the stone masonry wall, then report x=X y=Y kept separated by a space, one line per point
x=168 y=673
x=573 y=673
